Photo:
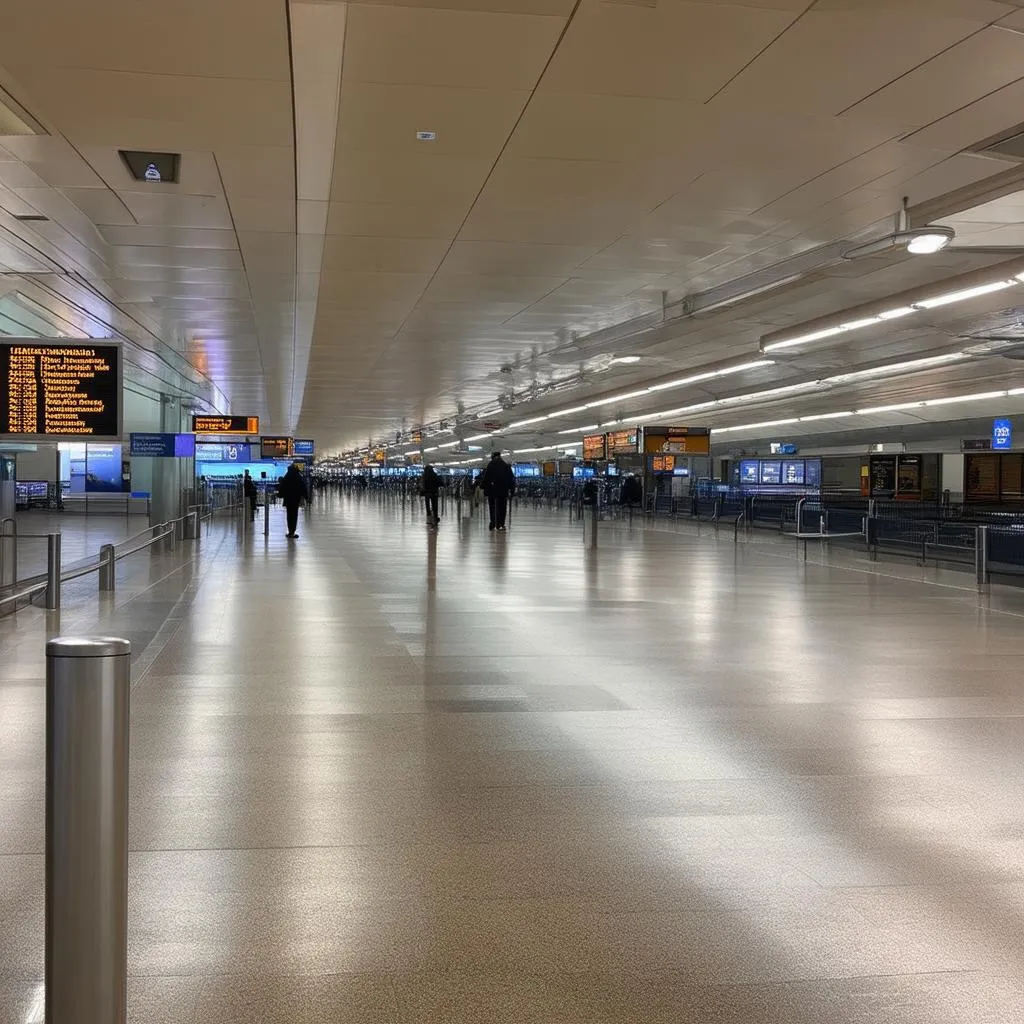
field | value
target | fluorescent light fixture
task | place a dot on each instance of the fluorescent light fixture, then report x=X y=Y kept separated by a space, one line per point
x=924 y=244
x=984 y=396
x=477 y=437
x=901 y=407
x=896 y=312
x=525 y=423
x=625 y=360
x=415 y=451
x=804 y=339
x=425 y=450
x=827 y=416
x=618 y=398
x=568 y=412
x=580 y=430
x=449 y=444
x=966 y=293
x=893 y=368
x=757 y=426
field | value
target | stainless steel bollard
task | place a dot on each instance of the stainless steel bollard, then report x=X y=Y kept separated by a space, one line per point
x=266 y=511
x=87 y=688
x=8 y=553
x=590 y=525
x=53 y=571
x=107 y=568
x=981 y=556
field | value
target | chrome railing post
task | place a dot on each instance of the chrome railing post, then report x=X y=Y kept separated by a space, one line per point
x=106 y=572
x=981 y=573
x=8 y=553
x=52 y=571
x=87 y=687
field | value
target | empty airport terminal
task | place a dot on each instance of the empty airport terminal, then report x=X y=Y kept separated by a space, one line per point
x=512 y=512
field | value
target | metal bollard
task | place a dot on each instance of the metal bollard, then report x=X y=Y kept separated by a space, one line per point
x=107 y=568
x=8 y=553
x=981 y=556
x=590 y=525
x=199 y=524
x=266 y=511
x=52 y=571
x=87 y=688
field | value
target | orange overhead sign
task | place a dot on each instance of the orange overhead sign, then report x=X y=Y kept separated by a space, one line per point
x=225 y=424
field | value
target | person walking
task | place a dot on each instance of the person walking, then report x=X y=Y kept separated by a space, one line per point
x=430 y=487
x=292 y=491
x=499 y=484
x=251 y=494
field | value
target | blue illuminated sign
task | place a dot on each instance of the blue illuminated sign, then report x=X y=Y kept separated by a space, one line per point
x=304 y=446
x=1002 y=434
x=163 y=446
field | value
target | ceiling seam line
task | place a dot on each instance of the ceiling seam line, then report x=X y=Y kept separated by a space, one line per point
x=959 y=110
x=295 y=173
x=531 y=93
x=760 y=53
x=910 y=71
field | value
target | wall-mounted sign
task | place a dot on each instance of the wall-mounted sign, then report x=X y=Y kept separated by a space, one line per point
x=783 y=448
x=305 y=447
x=1002 y=435
x=60 y=390
x=225 y=424
x=976 y=444
x=163 y=446
x=233 y=451
x=276 y=448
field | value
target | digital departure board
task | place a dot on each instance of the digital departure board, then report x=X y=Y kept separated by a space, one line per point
x=622 y=442
x=276 y=447
x=593 y=447
x=225 y=424
x=60 y=390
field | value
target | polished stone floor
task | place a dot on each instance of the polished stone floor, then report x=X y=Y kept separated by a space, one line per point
x=387 y=774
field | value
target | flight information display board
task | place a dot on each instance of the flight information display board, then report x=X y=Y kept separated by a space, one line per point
x=225 y=424
x=276 y=448
x=60 y=390
x=593 y=447
x=622 y=442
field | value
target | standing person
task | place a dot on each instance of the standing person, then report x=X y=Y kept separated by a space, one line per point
x=430 y=486
x=251 y=494
x=292 y=490
x=499 y=485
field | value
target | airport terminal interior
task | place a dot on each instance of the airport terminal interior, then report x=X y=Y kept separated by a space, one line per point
x=512 y=512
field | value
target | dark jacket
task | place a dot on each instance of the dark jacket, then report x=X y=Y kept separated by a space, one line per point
x=291 y=488
x=431 y=482
x=499 y=479
x=250 y=487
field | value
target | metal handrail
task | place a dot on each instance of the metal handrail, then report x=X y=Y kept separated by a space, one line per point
x=156 y=538
x=25 y=592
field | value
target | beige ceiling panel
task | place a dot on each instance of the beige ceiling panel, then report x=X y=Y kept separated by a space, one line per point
x=947 y=176
x=178 y=211
x=969 y=125
x=639 y=254
x=311 y=216
x=61 y=211
x=165 y=112
x=160 y=236
x=275 y=215
x=812 y=67
x=985 y=63
x=131 y=258
x=561 y=8
x=344 y=254
x=465 y=49
x=256 y=172
x=516 y=259
x=385 y=118
x=361 y=290
x=100 y=205
x=15 y=174
x=419 y=178
x=201 y=39
x=484 y=289
x=395 y=220
x=606 y=128
x=198 y=173
x=597 y=180
x=634 y=49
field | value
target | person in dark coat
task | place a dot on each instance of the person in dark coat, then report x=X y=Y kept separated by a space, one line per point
x=251 y=494
x=430 y=486
x=499 y=485
x=292 y=491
